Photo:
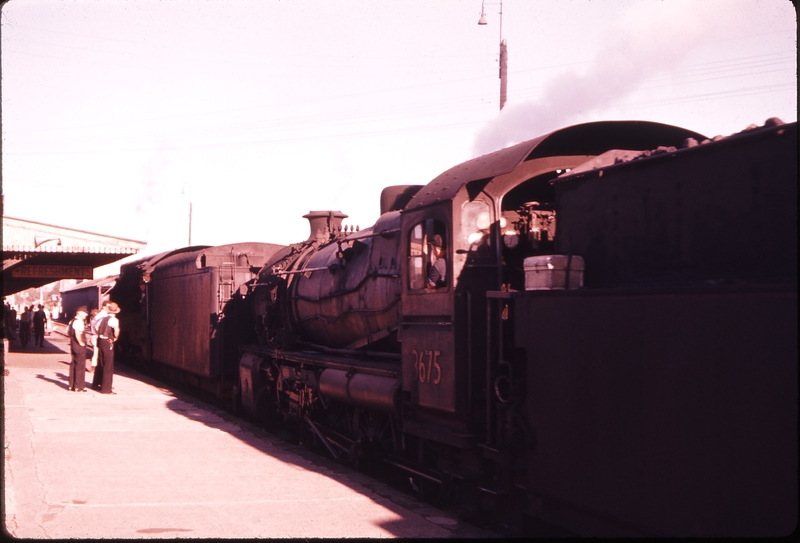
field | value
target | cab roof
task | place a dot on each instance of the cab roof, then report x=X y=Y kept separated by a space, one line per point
x=582 y=139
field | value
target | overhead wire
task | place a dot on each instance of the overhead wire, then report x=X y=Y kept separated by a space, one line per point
x=725 y=65
x=472 y=103
x=228 y=62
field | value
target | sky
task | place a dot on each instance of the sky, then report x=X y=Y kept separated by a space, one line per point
x=121 y=116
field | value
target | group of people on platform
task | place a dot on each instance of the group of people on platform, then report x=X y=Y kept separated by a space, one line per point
x=29 y=320
x=103 y=332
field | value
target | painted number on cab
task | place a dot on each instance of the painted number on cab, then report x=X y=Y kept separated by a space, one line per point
x=427 y=366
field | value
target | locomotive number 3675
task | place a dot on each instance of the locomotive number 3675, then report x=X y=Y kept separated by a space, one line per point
x=426 y=364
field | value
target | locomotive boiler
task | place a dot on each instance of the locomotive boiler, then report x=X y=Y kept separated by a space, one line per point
x=592 y=332
x=342 y=294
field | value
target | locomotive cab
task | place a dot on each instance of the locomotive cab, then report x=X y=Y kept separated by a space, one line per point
x=487 y=228
x=493 y=212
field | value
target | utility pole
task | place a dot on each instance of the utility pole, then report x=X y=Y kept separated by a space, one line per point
x=503 y=72
x=503 y=52
x=190 y=223
x=187 y=190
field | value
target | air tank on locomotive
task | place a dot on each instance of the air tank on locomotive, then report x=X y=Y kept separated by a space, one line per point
x=339 y=288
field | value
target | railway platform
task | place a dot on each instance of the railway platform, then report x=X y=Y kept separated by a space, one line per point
x=147 y=462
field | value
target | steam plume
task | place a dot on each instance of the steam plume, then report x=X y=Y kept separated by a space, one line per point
x=649 y=38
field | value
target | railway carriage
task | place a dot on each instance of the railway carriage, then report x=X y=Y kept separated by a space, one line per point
x=182 y=313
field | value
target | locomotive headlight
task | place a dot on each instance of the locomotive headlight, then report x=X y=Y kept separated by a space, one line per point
x=503 y=222
x=510 y=239
x=474 y=237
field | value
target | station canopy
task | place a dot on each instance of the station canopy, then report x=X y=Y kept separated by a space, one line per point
x=35 y=254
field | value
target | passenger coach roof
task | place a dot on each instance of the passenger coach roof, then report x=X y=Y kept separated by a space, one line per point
x=583 y=139
x=108 y=280
x=189 y=254
x=149 y=262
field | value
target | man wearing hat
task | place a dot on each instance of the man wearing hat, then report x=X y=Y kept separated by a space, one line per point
x=93 y=324
x=437 y=275
x=77 y=346
x=107 y=333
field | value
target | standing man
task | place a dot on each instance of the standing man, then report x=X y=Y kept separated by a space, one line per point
x=97 y=378
x=25 y=321
x=107 y=334
x=10 y=315
x=39 y=321
x=77 y=347
x=94 y=323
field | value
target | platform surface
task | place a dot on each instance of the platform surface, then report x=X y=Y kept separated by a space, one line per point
x=146 y=462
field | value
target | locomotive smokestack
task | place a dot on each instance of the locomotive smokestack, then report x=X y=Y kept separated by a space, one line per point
x=323 y=223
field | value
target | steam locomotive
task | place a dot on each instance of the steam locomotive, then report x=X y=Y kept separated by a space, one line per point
x=592 y=332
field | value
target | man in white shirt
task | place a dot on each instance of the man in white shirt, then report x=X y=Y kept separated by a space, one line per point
x=102 y=314
x=107 y=333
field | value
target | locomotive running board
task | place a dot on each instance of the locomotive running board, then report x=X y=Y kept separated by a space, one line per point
x=325 y=360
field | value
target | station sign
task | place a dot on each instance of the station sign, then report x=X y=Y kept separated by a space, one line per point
x=52 y=272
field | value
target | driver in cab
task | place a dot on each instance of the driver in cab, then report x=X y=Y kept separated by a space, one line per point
x=437 y=275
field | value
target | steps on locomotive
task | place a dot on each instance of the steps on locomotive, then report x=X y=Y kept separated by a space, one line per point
x=441 y=434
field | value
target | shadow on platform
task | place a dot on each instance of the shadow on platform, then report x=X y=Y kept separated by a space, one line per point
x=48 y=347
x=282 y=448
x=61 y=381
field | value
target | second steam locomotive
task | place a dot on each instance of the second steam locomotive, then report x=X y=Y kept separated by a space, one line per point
x=594 y=331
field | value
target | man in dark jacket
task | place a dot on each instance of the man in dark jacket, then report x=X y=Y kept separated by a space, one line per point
x=10 y=315
x=39 y=321
x=77 y=346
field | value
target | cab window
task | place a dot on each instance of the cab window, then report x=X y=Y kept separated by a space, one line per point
x=427 y=250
